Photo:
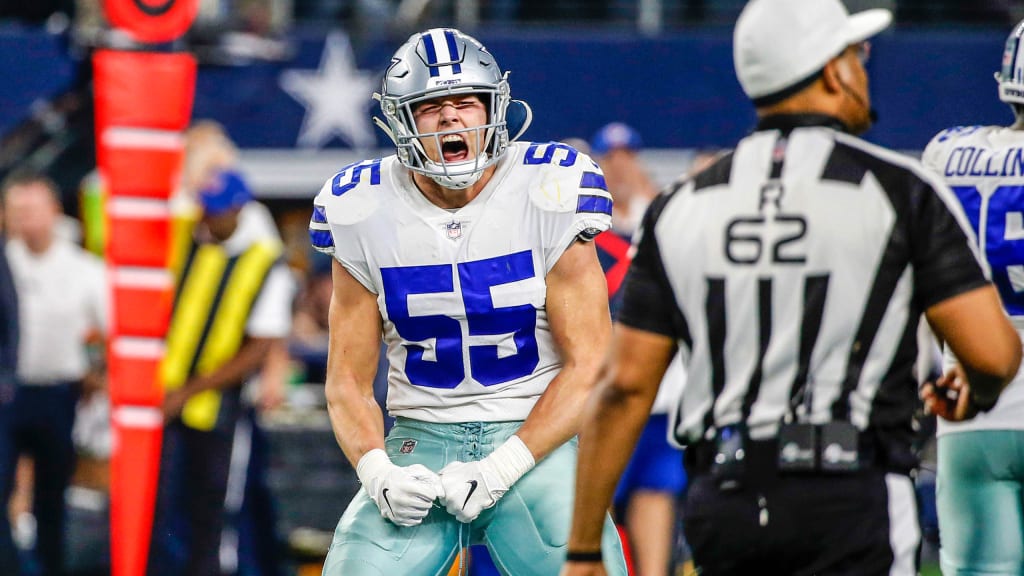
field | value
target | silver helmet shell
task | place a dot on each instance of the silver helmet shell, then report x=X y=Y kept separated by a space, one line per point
x=1011 y=75
x=441 y=62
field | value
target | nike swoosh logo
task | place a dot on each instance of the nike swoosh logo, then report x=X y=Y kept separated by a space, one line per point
x=386 y=501
x=472 y=488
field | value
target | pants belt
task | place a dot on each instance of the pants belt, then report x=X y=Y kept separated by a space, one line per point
x=761 y=457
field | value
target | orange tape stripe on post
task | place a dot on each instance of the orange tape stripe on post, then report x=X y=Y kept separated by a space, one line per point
x=140 y=163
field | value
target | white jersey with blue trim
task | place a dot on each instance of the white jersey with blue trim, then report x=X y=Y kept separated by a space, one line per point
x=462 y=292
x=984 y=165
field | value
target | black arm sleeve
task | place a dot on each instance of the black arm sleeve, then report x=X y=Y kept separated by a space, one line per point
x=944 y=263
x=648 y=302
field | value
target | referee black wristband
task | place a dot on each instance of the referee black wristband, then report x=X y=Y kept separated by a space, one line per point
x=983 y=404
x=594 y=556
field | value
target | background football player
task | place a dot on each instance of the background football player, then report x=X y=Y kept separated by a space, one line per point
x=981 y=461
x=470 y=254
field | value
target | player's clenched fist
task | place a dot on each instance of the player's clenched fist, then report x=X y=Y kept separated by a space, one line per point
x=474 y=487
x=404 y=494
x=471 y=487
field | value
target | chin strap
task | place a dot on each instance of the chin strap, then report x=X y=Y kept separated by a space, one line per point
x=455 y=181
x=384 y=128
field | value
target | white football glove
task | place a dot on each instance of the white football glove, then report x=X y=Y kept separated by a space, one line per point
x=469 y=488
x=404 y=494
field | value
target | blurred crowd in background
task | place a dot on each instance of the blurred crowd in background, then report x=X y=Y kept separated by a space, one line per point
x=380 y=17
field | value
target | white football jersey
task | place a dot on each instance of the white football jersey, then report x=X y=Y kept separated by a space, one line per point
x=462 y=292
x=984 y=165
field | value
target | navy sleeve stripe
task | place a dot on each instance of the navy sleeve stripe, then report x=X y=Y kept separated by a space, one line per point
x=321 y=238
x=319 y=215
x=593 y=180
x=589 y=203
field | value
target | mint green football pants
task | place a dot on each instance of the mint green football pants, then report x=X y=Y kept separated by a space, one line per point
x=526 y=531
x=980 y=498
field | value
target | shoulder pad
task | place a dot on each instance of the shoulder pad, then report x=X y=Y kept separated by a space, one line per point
x=565 y=179
x=932 y=156
x=956 y=132
x=352 y=194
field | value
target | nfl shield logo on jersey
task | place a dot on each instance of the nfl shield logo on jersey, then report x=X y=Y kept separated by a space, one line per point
x=453 y=230
x=408 y=446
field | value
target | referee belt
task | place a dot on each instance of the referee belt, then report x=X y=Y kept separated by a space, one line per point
x=761 y=457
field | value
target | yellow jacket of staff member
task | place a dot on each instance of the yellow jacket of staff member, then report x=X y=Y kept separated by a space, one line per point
x=218 y=285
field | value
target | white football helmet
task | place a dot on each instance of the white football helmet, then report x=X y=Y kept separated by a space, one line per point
x=1011 y=76
x=435 y=63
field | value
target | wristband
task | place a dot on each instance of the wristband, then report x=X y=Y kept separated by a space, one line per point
x=511 y=460
x=982 y=405
x=572 y=556
x=373 y=464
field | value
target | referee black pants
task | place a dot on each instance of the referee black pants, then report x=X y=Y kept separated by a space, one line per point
x=859 y=524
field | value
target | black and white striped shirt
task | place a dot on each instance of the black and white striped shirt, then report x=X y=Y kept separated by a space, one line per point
x=793 y=273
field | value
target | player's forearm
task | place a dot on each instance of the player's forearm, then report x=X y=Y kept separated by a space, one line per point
x=557 y=416
x=356 y=417
x=612 y=423
x=352 y=355
x=577 y=306
x=988 y=347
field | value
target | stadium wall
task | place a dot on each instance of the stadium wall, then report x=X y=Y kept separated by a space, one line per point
x=297 y=118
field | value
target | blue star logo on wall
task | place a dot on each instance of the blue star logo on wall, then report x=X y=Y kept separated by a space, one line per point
x=336 y=97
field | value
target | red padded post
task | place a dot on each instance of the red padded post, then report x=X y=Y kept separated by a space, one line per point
x=143 y=104
x=152 y=21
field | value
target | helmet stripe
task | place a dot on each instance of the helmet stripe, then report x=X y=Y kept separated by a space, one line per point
x=453 y=51
x=1011 y=68
x=1016 y=72
x=428 y=45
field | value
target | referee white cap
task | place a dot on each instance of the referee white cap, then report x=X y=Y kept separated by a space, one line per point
x=780 y=46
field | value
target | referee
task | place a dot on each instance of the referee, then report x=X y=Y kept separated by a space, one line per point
x=792 y=273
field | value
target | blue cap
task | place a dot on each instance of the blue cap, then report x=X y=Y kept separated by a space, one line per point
x=226 y=192
x=615 y=135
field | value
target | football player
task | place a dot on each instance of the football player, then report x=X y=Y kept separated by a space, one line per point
x=981 y=461
x=470 y=254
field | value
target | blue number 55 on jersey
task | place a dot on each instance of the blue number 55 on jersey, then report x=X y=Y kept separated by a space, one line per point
x=482 y=318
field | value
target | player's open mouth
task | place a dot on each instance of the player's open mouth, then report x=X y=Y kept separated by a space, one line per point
x=454 y=148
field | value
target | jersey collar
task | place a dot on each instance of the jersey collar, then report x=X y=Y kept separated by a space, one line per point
x=789 y=122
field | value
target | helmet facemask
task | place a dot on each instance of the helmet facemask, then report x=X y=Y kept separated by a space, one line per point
x=465 y=68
